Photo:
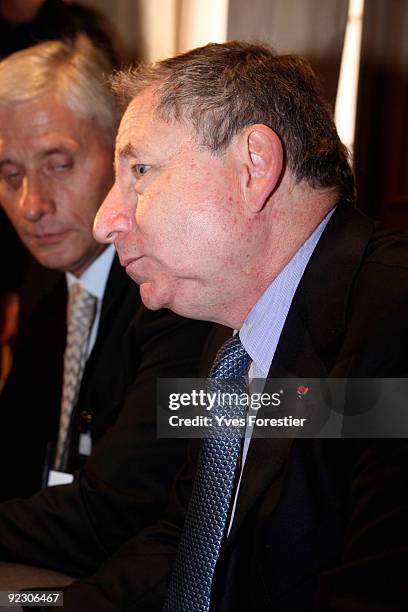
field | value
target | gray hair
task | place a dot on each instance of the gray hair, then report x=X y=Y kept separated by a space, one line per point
x=75 y=71
x=220 y=89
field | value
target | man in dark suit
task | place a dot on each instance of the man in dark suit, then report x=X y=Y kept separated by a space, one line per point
x=233 y=202
x=57 y=125
x=22 y=25
x=55 y=171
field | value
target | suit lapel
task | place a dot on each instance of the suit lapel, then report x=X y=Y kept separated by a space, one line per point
x=116 y=287
x=308 y=344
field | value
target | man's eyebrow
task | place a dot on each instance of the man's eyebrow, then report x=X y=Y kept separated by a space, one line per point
x=7 y=160
x=54 y=151
x=128 y=151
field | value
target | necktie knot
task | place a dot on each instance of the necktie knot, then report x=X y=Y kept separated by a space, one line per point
x=231 y=361
x=81 y=308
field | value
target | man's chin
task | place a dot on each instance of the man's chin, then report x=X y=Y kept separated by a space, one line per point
x=156 y=296
x=151 y=298
x=52 y=263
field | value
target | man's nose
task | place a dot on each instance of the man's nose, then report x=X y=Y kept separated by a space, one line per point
x=113 y=218
x=34 y=201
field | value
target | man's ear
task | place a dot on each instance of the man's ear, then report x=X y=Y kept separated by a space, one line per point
x=261 y=164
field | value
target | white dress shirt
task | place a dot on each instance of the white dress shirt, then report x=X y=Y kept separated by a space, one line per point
x=94 y=280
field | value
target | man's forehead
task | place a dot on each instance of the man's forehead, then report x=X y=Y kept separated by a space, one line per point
x=137 y=132
x=137 y=117
x=42 y=124
x=38 y=111
x=31 y=116
x=141 y=130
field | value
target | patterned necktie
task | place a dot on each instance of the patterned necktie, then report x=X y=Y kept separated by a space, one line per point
x=80 y=315
x=211 y=501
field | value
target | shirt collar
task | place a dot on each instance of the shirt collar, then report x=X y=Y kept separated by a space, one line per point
x=95 y=277
x=263 y=326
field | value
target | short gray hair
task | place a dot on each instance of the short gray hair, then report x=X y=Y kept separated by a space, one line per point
x=220 y=89
x=74 y=70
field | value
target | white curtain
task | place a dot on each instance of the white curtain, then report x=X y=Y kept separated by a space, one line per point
x=314 y=28
x=154 y=29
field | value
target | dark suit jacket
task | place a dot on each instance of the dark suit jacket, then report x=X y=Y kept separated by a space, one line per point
x=320 y=524
x=125 y=482
x=30 y=402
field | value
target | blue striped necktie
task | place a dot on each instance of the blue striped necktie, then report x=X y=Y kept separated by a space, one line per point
x=209 y=510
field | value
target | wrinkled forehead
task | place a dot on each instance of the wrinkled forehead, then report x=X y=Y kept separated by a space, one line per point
x=26 y=115
x=36 y=115
x=44 y=123
x=138 y=117
x=141 y=129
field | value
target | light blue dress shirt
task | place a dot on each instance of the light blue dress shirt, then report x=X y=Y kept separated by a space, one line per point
x=263 y=326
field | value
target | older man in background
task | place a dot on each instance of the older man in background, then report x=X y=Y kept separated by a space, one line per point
x=24 y=23
x=81 y=396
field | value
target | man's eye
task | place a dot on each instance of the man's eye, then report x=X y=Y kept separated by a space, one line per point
x=59 y=163
x=11 y=174
x=140 y=169
x=61 y=167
